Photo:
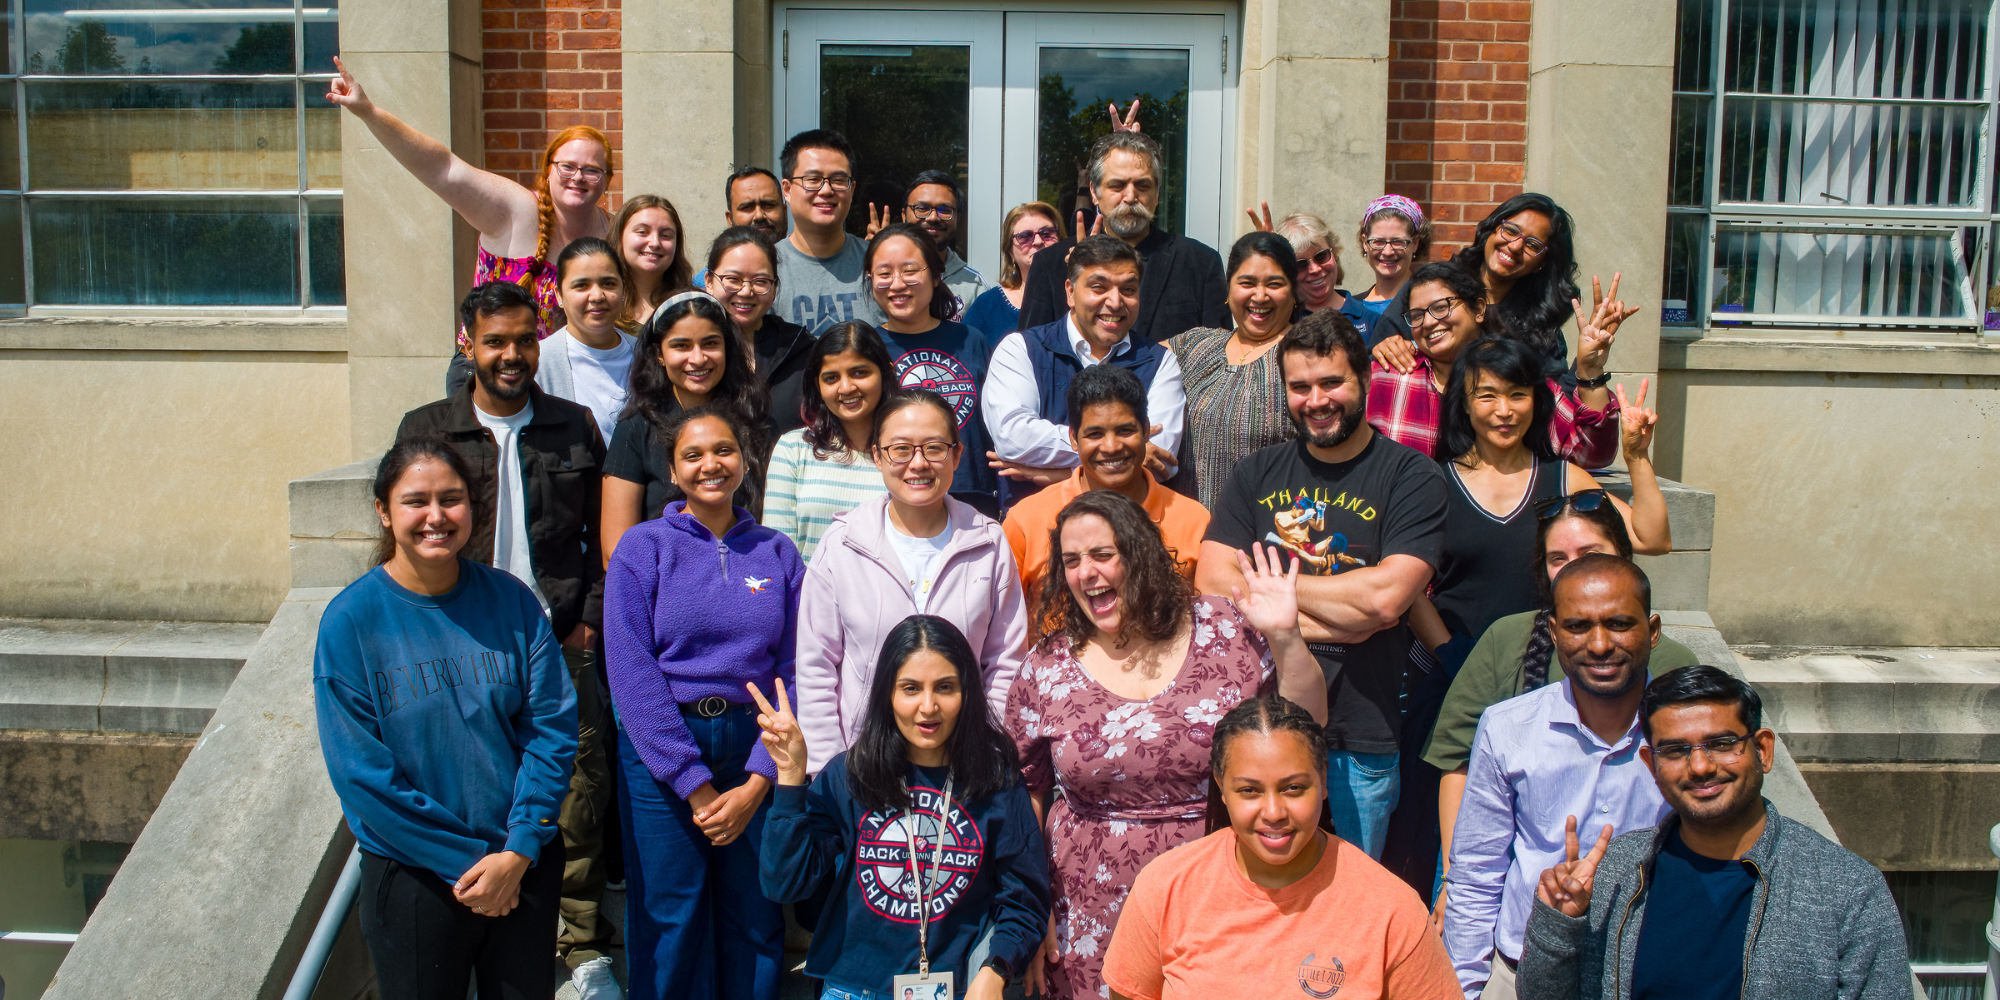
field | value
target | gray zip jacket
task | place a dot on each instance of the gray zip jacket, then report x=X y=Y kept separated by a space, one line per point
x=1822 y=924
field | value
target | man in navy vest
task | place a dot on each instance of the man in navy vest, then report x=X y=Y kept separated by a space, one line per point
x=1025 y=401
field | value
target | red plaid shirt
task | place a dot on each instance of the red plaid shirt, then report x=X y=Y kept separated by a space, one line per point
x=1407 y=408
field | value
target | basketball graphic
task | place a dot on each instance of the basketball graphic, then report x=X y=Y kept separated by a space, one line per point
x=943 y=374
x=882 y=858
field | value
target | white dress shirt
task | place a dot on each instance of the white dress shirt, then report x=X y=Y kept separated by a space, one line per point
x=1534 y=764
x=1011 y=402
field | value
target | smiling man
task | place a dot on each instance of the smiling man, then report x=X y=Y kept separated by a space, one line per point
x=820 y=279
x=1107 y=427
x=1025 y=402
x=1569 y=749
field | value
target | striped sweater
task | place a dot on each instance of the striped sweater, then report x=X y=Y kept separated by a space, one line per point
x=803 y=493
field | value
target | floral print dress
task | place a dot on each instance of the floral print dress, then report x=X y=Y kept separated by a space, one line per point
x=536 y=275
x=1133 y=774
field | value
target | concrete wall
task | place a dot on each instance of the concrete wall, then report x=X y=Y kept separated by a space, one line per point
x=681 y=149
x=1852 y=486
x=148 y=460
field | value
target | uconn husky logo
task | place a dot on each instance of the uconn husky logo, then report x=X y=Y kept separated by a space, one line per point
x=882 y=859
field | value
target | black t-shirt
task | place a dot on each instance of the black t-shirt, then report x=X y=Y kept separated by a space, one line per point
x=1389 y=500
x=634 y=457
x=1697 y=919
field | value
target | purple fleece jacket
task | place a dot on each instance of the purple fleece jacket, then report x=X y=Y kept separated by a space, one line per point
x=687 y=617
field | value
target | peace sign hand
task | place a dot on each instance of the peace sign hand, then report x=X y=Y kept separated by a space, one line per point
x=1600 y=328
x=782 y=737
x=1096 y=228
x=878 y=220
x=1567 y=886
x=1131 y=120
x=345 y=91
x=1263 y=224
x=1635 y=423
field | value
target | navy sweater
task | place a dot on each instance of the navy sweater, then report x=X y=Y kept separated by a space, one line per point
x=994 y=869
x=448 y=722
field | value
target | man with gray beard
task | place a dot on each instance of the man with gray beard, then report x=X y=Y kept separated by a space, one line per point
x=1182 y=285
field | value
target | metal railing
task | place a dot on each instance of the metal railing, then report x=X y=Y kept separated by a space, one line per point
x=305 y=979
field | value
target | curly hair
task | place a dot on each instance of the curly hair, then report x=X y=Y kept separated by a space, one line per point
x=1539 y=303
x=1154 y=594
x=652 y=392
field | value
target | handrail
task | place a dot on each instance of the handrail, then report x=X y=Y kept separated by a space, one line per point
x=1992 y=936
x=305 y=979
x=37 y=937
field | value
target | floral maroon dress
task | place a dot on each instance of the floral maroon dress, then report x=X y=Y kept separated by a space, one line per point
x=1133 y=774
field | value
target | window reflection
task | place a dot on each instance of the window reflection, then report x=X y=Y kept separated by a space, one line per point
x=166 y=251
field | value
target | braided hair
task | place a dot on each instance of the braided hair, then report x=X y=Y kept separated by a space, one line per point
x=1542 y=639
x=1263 y=715
x=545 y=206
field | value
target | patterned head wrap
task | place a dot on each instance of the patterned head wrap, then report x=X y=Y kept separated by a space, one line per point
x=1400 y=204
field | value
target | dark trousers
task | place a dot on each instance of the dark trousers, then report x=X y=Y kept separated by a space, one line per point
x=428 y=946
x=586 y=934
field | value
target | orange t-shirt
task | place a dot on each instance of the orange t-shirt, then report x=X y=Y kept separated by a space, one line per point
x=1196 y=927
x=1182 y=521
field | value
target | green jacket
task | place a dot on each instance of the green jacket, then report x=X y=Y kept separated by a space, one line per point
x=1492 y=674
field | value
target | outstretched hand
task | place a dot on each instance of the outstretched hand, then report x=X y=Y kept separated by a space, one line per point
x=1269 y=597
x=1131 y=120
x=345 y=91
x=1567 y=886
x=1635 y=422
x=782 y=736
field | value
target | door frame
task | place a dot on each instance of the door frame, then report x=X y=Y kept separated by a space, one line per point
x=983 y=223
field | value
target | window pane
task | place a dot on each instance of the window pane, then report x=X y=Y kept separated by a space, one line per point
x=906 y=109
x=173 y=36
x=1838 y=274
x=1076 y=85
x=1993 y=279
x=10 y=140
x=1694 y=46
x=13 y=284
x=322 y=37
x=1944 y=914
x=1825 y=154
x=162 y=135
x=1682 y=288
x=1687 y=175
x=322 y=138
x=1858 y=48
x=182 y=251
x=324 y=241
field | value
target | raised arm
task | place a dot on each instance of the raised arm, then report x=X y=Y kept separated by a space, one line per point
x=505 y=213
x=1646 y=516
x=1268 y=600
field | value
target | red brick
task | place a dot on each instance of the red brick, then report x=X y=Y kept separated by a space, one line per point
x=1409 y=151
x=614 y=81
x=1458 y=171
x=1496 y=91
x=1462 y=112
x=506 y=40
x=1406 y=111
x=560 y=100
x=576 y=81
x=1451 y=92
x=1410 y=132
x=513 y=119
x=600 y=20
x=1459 y=233
x=1419 y=92
x=501 y=60
x=1465 y=51
x=501 y=99
x=1497 y=173
x=1511 y=72
x=1510 y=31
x=1448 y=132
x=503 y=140
x=513 y=81
x=1446 y=213
x=613 y=121
x=1425 y=50
x=1489 y=11
x=1448 y=10
x=1466 y=71
x=1475 y=151
x=1399 y=70
x=590 y=39
x=490 y=19
x=1506 y=191
x=1479 y=31
x=1510 y=153
x=564 y=119
x=1504 y=52
x=1509 y=113
x=512 y=161
x=601 y=60
x=1496 y=132
x=1422 y=10
x=601 y=100
x=551 y=20
x=1410 y=172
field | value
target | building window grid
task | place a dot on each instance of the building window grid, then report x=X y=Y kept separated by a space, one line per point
x=17 y=79
x=1693 y=225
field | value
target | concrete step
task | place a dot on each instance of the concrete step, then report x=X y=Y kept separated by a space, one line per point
x=1856 y=705
x=94 y=675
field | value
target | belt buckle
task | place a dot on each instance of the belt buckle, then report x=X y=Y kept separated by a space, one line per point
x=711 y=707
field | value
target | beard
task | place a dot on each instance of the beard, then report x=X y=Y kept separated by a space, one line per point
x=1344 y=428
x=1633 y=676
x=496 y=390
x=1128 y=221
x=767 y=226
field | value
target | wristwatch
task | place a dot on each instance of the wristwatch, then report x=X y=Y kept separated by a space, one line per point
x=999 y=965
x=1603 y=378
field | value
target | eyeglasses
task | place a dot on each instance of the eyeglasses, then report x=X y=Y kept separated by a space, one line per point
x=911 y=273
x=733 y=283
x=1029 y=237
x=901 y=454
x=1379 y=244
x=813 y=182
x=1531 y=246
x=567 y=170
x=1438 y=309
x=1582 y=500
x=1719 y=748
x=1320 y=259
x=925 y=211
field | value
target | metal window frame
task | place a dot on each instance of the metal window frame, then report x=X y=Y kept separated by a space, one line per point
x=1983 y=215
x=15 y=76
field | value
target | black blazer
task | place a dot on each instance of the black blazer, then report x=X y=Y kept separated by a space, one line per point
x=1181 y=287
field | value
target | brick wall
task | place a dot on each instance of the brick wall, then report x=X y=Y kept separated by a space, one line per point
x=549 y=64
x=1458 y=109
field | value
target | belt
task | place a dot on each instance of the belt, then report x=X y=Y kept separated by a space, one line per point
x=711 y=707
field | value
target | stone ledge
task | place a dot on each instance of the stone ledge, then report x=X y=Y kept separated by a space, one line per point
x=174 y=333
x=1838 y=351
x=84 y=786
x=1881 y=705
x=89 y=675
x=1690 y=512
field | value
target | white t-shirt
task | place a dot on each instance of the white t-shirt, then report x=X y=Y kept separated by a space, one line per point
x=600 y=378
x=510 y=516
x=918 y=557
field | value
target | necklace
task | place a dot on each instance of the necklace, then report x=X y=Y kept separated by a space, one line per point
x=1240 y=351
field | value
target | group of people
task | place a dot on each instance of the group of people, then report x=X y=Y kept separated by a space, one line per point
x=1146 y=623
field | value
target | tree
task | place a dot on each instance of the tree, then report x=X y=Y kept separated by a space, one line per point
x=259 y=48
x=89 y=47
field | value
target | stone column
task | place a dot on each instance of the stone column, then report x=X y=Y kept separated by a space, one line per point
x=1600 y=110
x=409 y=257
x=682 y=74
x=1314 y=110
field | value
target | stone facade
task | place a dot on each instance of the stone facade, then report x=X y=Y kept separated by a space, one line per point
x=548 y=66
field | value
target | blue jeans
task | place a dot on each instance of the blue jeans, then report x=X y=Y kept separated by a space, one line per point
x=696 y=925
x=1362 y=789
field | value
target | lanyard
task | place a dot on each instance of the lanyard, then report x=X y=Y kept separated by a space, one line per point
x=917 y=874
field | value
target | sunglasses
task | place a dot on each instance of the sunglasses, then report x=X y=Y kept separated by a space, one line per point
x=1030 y=237
x=1320 y=259
x=1548 y=508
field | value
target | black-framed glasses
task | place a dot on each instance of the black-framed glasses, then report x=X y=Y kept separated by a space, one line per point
x=1379 y=244
x=935 y=452
x=1029 y=237
x=1320 y=259
x=813 y=182
x=923 y=210
x=1438 y=310
x=732 y=283
x=1719 y=748
x=1531 y=246
x=1582 y=500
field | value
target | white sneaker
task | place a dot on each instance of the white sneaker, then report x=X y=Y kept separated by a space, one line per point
x=593 y=981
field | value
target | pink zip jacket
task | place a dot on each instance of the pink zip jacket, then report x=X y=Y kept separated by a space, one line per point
x=855 y=593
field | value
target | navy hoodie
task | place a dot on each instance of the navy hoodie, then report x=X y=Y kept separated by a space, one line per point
x=994 y=868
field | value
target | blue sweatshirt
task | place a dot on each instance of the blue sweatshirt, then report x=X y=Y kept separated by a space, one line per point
x=994 y=867
x=688 y=617
x=448 y=722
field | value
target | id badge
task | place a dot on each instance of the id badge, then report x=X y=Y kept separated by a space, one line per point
x=917 y=986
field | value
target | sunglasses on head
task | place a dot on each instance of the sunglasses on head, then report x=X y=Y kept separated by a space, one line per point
x=1548 y=508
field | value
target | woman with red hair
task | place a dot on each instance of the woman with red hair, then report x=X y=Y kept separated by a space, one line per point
x=520 y=230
